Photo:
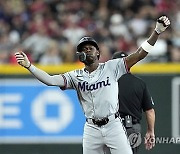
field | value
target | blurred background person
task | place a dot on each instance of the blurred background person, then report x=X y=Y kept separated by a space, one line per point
x=115 y=23
x=52 y=56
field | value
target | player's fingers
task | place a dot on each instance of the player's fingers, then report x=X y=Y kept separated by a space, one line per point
x=20 y=61
x=166 y=19
x=151 y=146
x=19 y=56
x=148 y=146
x=162 y=17
x=20 y=53
x=150 y=142
x=147 y=136
x=167 y=22
x=23 y=53
x=17 y=53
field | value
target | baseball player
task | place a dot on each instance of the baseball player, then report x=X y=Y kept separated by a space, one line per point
x=97 y=88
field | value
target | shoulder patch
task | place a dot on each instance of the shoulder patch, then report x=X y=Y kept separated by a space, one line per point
x=78 y=73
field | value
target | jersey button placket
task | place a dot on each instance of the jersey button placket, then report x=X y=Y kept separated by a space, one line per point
x=92 y=99
x=92 y=96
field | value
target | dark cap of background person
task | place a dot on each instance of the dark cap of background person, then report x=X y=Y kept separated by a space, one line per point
x=119 y=55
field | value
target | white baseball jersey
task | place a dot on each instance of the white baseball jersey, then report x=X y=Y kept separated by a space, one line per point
x=97 y=91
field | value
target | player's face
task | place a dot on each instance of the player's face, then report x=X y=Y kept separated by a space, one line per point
x=91 y=53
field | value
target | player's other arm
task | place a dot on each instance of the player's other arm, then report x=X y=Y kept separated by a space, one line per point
x=161 y=25
x=50 y=80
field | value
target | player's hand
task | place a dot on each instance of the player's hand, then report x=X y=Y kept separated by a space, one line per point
x=149 y=140
x=22 y=59
x=162 y=23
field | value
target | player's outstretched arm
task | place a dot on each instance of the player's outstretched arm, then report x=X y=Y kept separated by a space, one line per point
x=162 y=23
x=54 y=80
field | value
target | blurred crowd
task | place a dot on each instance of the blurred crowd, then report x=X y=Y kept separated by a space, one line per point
x=49 y=30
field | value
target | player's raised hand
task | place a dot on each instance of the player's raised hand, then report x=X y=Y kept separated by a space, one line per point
x=162 y=23
x=22 y=59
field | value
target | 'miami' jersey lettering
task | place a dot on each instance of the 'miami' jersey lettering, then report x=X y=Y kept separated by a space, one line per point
x=84 y=85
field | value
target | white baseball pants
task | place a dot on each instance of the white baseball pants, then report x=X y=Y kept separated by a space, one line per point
x=112 y=135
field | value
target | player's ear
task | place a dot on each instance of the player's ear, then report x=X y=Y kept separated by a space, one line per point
x=98 y=53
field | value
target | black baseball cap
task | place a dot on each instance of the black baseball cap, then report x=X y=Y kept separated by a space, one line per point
x=86 y=40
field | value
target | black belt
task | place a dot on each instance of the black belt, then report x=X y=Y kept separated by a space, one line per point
x=102 y=121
